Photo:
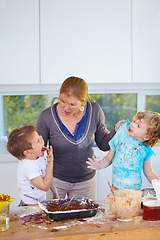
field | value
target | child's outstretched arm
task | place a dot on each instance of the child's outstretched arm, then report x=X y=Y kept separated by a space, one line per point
x=105 y=162
x=149 y=172
x=45 y=183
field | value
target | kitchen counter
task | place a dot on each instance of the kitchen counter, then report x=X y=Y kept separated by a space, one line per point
x=31 y=223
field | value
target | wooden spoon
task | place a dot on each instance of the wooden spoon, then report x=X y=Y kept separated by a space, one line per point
x=114 y=198
x=55 y=192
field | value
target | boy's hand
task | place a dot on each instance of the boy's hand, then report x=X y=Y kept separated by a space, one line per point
x=93 y=163
x=50 y=155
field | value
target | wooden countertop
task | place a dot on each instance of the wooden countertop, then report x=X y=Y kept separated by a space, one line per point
x=28 y=223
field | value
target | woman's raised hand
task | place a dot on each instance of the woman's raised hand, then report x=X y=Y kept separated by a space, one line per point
x=118 y=124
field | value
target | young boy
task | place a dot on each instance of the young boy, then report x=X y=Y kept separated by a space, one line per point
x=35 y=169
x=130 y=151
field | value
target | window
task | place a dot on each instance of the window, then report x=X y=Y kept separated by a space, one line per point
x=153 y=103
x=20 y=110
x=23 y=110
x=116 y=107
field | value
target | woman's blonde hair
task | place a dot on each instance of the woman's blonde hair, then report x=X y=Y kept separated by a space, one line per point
x=153 y=126
x=77 y=87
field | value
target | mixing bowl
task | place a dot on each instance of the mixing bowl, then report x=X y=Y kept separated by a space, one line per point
x=123 y=204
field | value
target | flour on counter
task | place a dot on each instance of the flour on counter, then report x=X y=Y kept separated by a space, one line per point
x=61 y=227
x=24 y=211
x=41 y=227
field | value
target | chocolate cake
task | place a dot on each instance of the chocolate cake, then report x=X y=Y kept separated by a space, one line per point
x=70 y=204
x=64 y=209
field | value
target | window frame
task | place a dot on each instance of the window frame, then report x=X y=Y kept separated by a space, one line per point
x=141 y=90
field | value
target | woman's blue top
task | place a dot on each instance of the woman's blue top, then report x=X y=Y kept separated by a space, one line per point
x=80 y=126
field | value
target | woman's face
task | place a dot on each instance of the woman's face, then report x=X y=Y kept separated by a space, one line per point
x=69 y=105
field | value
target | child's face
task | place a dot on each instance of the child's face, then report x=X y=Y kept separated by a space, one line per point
x=37 y=145
x=138 y=130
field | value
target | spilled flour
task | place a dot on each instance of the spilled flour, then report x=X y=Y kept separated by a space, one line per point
x=39 y=220
x=97 y=219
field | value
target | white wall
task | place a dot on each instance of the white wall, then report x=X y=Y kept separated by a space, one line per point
x=8 y=177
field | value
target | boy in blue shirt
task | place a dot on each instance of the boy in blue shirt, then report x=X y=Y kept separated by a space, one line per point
x=130 y=151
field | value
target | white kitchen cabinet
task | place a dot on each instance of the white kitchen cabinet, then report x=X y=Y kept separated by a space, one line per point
x=19 y=42
x=8 y=177
x=89 y=39
x=146 y=40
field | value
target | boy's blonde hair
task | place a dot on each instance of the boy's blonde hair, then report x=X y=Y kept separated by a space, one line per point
x=19 y=140
x=153 y=122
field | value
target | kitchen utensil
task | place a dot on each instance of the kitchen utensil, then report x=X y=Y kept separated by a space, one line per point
x=128 y=203
x=114 y=198
x=69 y=202
x=70 y=214
x=148 y=194
x=55 y=192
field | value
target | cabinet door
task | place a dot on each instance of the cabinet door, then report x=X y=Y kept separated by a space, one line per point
x=89 y=39
x=19 y=41
x=146 y=40
x=8 y=178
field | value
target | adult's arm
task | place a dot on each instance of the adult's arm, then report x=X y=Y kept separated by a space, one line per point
x=102 y=135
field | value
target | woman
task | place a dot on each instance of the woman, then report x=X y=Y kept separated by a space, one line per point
x=71 y=126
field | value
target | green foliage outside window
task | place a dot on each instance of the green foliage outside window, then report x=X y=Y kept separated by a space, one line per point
x=25 y=109
x=153 y=103
x=22 y=110
x=116 y=107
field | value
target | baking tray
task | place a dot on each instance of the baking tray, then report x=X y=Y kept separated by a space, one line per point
x=70 y=214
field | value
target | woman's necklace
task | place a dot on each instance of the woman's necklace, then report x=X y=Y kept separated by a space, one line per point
x=67 y=138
